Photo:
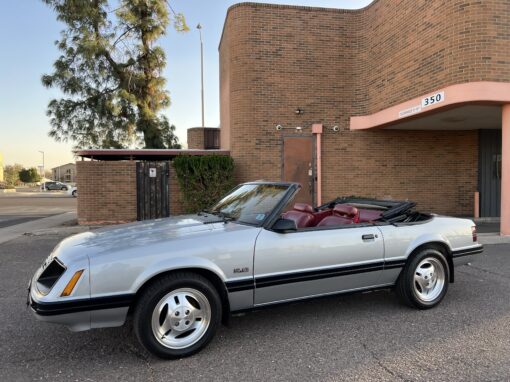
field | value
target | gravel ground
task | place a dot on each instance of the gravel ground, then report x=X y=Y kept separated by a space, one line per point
x=366 y=337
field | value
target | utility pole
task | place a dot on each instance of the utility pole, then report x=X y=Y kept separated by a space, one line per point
x=199 y=27
x=42 y=152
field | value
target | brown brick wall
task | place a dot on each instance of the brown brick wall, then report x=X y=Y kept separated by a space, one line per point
x=196 y=138
x=335 y=64
x=176 y=205
x=106 y=191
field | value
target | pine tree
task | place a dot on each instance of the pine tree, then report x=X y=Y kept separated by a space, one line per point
x=110 y=72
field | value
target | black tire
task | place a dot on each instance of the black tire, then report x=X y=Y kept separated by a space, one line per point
x=149 y=299
x=74 y=194
x=408 y=289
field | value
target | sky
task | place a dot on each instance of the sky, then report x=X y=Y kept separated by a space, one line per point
x=28 y=29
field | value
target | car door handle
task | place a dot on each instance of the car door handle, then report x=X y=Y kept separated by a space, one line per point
x=370 y=236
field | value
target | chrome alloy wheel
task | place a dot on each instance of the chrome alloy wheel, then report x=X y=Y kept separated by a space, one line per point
x=429 y=279
x=181 y=318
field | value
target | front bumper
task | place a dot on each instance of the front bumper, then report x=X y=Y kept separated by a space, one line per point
x=82 y=314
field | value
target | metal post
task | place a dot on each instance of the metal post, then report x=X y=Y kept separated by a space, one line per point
x=199 y=27
x=42 y=152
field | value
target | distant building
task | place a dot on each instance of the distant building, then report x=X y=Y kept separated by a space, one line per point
x=65 y=173
x=1 y=168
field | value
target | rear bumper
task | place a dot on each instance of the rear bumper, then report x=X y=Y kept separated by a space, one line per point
x=466 y=255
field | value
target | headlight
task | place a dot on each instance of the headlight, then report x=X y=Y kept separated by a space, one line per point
x=50 y=275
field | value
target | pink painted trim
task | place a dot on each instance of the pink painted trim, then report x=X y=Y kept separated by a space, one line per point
x=317 y=130
x=505 y=171
x=476 y=212
x=493 y=92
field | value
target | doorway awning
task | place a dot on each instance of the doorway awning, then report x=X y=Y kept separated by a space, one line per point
x=472 y=105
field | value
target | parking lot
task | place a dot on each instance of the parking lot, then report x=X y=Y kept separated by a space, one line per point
x=367 y=337
x=22 y=207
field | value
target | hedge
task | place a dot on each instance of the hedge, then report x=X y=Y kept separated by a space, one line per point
x=203 y=179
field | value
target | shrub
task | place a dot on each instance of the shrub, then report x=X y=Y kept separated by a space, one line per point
x=203 y=179
x=5 y=186
x=29 y=175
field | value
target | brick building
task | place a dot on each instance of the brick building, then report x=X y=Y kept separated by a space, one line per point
x=407 y=99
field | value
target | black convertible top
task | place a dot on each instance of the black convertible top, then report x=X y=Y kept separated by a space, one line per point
x=392 y=208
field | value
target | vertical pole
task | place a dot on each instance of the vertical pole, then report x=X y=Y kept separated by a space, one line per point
x=199 y=27
x=505 y=171
x=317 y=130
x=476 y=212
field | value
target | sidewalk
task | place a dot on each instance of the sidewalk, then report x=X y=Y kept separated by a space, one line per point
x=14 y=231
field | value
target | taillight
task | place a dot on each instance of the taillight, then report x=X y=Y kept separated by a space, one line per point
x=473 y=232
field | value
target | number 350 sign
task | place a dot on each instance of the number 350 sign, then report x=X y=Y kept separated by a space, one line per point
x=432 y=99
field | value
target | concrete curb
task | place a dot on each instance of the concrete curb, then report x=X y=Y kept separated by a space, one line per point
x=493 y=238
x=12 y=232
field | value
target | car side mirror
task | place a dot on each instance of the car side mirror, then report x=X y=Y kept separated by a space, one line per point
x=284 y=225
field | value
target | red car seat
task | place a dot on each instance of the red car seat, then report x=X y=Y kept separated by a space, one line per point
x=342 y=214
x=302 y=214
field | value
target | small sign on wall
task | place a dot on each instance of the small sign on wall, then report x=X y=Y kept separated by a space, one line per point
x=152 y=172
x=432 y=99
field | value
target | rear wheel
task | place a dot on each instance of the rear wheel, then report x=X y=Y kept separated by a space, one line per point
x=177 y=315
x=423 y=282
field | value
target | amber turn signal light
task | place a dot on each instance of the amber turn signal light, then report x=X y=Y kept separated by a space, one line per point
x=71 y=284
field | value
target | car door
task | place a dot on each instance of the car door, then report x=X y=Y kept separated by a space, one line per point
x=313 y=262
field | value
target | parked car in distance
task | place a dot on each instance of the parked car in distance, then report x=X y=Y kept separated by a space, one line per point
x=73 y=191
x=54 y=186
x=180 y=277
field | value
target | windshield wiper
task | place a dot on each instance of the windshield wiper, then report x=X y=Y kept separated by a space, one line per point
x=224 y=217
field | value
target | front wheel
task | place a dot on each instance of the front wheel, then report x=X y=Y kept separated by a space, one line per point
x=423 y=282
x=177 y=315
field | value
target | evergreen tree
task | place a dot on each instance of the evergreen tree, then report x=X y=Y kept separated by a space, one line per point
x=29 y=175
x=110 y=72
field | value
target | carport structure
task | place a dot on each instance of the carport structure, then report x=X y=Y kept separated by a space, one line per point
x=482 y=106
x=119 y=186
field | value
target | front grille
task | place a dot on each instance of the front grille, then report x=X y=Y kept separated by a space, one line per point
x=50 y=276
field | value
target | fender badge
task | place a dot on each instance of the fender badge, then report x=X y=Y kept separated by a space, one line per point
x=241 y=270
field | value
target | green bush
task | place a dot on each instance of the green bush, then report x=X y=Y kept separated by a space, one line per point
x=203 y=179
x=5 y=186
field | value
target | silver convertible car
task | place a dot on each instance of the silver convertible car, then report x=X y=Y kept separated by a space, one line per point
x=181 y=277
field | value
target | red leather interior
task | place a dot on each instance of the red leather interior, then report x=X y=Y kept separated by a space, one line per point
x=303 y=207
x=302 y=214
x=305 y=216
x=345 y=210
x=367 y=216
x=334 y=220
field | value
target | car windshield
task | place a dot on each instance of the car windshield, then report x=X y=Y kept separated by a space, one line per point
x=250 y=203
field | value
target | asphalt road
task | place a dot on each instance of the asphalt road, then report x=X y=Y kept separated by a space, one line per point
x=367 y=337
x=22 y=207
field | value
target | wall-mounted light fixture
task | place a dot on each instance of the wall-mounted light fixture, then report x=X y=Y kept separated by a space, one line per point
x=299 y=111
x=297 y=128
x=335 y=129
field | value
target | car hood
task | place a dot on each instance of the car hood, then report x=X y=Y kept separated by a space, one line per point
x=143 y=234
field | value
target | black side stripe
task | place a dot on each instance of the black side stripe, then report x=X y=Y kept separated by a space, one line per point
x=237 y=286
x=97 y=303
x=267 y=281
x=467 y=252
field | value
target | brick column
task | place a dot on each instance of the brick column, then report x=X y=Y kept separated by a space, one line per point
x=505 y=171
